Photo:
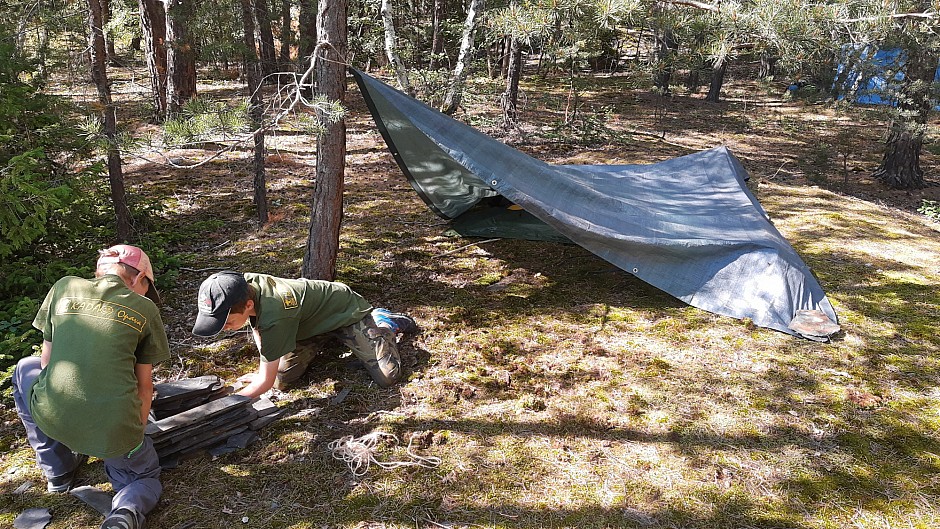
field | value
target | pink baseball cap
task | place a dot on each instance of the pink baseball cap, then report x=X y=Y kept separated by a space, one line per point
x=135 y=257
x=129 y=255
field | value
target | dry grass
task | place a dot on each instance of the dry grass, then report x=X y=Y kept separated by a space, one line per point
x=557 y=390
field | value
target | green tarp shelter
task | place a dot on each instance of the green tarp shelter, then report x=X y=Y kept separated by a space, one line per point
x=688 y=226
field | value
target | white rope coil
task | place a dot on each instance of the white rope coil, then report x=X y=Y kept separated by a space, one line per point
x=359 y=453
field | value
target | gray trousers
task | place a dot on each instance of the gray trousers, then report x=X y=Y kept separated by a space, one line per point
x=135 y=477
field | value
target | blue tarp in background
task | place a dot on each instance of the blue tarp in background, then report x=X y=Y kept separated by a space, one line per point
x=871 y=78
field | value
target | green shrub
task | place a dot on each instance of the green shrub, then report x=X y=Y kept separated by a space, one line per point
x=930 y=208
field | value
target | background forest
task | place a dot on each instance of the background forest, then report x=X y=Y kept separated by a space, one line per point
x=559 y=391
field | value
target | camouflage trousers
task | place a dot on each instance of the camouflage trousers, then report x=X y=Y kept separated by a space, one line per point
x=373 y=345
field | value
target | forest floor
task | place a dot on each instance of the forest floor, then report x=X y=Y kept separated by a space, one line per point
x=556 y=389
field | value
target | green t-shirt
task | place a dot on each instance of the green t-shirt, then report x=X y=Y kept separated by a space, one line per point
x=86 y=397
x=289 y=310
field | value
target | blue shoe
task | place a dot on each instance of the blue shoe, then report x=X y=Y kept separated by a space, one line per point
x=397 y=322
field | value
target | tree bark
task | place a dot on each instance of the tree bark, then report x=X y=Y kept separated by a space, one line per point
x=900 y=166
x=768 y=66
x=437 y=39
x=718 y=79
x=253 y=75
x=308 y=33
x=510 y=97
x=666 y=47
x=99 y=75
x=455 y=91
x=180 y=55
x=153 y=29
x=266 y=38
x=327 y=208
x=108 y=40
x=391 y=48
x=287 y=36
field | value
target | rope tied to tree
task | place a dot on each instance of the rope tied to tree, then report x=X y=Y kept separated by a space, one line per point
x=359 y=453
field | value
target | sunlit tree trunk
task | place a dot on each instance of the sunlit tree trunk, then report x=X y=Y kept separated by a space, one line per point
x=510 y=97
x=455 y=90
x=327 y=208
x=253 y=75
x=391 y=48
x=153 y=29
x=180 y=55
x=99 y=75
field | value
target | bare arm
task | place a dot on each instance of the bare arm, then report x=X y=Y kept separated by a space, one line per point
x=144 y=373
x=44 y=356
x=263 y=379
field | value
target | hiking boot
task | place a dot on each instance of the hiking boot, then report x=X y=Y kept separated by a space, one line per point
x=396 y=321
x=123 y=519
x=63 y=483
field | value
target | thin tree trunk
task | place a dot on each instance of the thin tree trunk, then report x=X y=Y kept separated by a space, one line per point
x=99 y=75
x=327 y=209
x=718 y=79
x=391 y=48
x=108 y=40
x=253 y=75
x=180 y=55
x=666 y=47
x=768 y=65
x=437 y=39
x=266 y=38
x=510 y=97
x=455 y=91
x=287 y=36
x=308 y=33
x=153 y=29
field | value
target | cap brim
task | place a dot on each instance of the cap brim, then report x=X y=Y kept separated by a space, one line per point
x=208 y=325
x=154 y=295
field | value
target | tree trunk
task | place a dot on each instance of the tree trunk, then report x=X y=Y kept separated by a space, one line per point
x=180 y=55
x=266 y=38
x=510 y=97
x=437 y=39
x=768 y=65
x=391 y=48
x=327 y=208
x=108 y=39
x=666 y=47
x=287 y=36
x=253 y=75
x=308 y=33
x=718 y=79
x=900 y=167
x=99 y=75
x=153 y=30
x=455 y=90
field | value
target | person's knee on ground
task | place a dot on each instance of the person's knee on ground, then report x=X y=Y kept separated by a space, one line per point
x=293 y=365
x=376 y=347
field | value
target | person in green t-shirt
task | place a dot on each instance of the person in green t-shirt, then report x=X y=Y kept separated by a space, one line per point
x=90 y=390
x=282 y=312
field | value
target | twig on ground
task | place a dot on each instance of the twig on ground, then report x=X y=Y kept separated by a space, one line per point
x=455 y=250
